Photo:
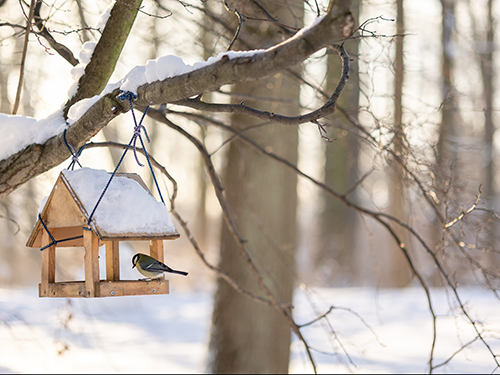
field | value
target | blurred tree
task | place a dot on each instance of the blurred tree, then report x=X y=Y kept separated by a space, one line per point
x=449 y=110
x=486 y=63
x=250 y=337
x=395 y=271
x=335 y=257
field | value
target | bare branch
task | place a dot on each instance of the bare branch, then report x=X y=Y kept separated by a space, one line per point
x=61 y=49
x=462 y=214
x=23 y=56
x=327 y=109
x=240 y=24
x=233 y=229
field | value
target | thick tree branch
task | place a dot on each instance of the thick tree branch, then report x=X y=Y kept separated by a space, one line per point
x=36 y=159
x=106 y=52
x=337 y=24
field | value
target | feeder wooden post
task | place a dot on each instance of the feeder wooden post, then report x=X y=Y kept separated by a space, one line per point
x=48 y=265
x=156 y=251
x=112 y=261
x=91 y=245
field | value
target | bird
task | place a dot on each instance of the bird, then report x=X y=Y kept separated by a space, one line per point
x=152 y=268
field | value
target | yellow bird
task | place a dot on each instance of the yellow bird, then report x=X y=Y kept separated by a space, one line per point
x=152 y=268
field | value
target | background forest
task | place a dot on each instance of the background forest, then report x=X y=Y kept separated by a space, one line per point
x=397 y=188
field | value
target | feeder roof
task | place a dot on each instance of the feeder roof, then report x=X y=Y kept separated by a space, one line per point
x=127 y=210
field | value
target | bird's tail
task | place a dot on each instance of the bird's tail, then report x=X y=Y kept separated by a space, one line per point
x=179 y=272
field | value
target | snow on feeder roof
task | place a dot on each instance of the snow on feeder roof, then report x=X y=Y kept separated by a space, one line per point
x=127 y=211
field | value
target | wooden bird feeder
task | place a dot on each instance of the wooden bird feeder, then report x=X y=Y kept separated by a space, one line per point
x=66 y=214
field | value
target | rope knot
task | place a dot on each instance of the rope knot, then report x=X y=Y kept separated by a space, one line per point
x=74 y=154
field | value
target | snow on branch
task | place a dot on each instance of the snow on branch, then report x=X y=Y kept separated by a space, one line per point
x=228 y=68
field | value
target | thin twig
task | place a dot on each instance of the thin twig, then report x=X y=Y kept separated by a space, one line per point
x=23 y=56
x=240 y=24
x=462 y=214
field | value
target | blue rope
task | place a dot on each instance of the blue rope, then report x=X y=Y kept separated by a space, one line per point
x=74 y=154
x=54 y=242
x=109 y=181
x=137 y=134
x=151 y=169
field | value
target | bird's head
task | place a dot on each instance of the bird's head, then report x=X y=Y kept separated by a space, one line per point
x=135 y=259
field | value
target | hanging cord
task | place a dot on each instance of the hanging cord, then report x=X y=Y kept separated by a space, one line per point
x=109 y=181
x=54 y=242
x=74 y=154
x=137 y=134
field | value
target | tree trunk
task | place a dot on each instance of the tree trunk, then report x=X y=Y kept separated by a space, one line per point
x=335 y=259
x=248 y=337
x=395 y=269
x=487 y=73
x=450 y=119
x=449 y=104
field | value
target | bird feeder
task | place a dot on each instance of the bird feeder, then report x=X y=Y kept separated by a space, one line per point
x=126 y=212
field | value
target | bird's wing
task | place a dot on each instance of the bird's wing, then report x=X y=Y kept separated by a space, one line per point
x=157 y=267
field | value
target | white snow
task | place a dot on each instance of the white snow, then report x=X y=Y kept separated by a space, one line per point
x=42 y=204
x=126 y=206
x=20 y=131
x=170 y=333
x=84 y=58
x=103 y=19
x=167 y=67
x=80 y=108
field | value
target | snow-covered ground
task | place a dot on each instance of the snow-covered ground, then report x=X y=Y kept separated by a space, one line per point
x=169 y=334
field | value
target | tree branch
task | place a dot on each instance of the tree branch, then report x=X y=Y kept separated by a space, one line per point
x=327 y=109
x=61 y=49
x=106 y=52
x=36 y=159
x=23 y=57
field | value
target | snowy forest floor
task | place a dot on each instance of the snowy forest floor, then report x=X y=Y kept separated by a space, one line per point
x=169 y=334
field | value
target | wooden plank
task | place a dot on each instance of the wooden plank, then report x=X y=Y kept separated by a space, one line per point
x=133 y=288
x=112 y=261
x=38 y=228
x=156 y=251
x=77 y=289
x=48 y=265
x=136 y=236
x=64 y=290
x=63 y=210
x=91 y=245
x=60 y=234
